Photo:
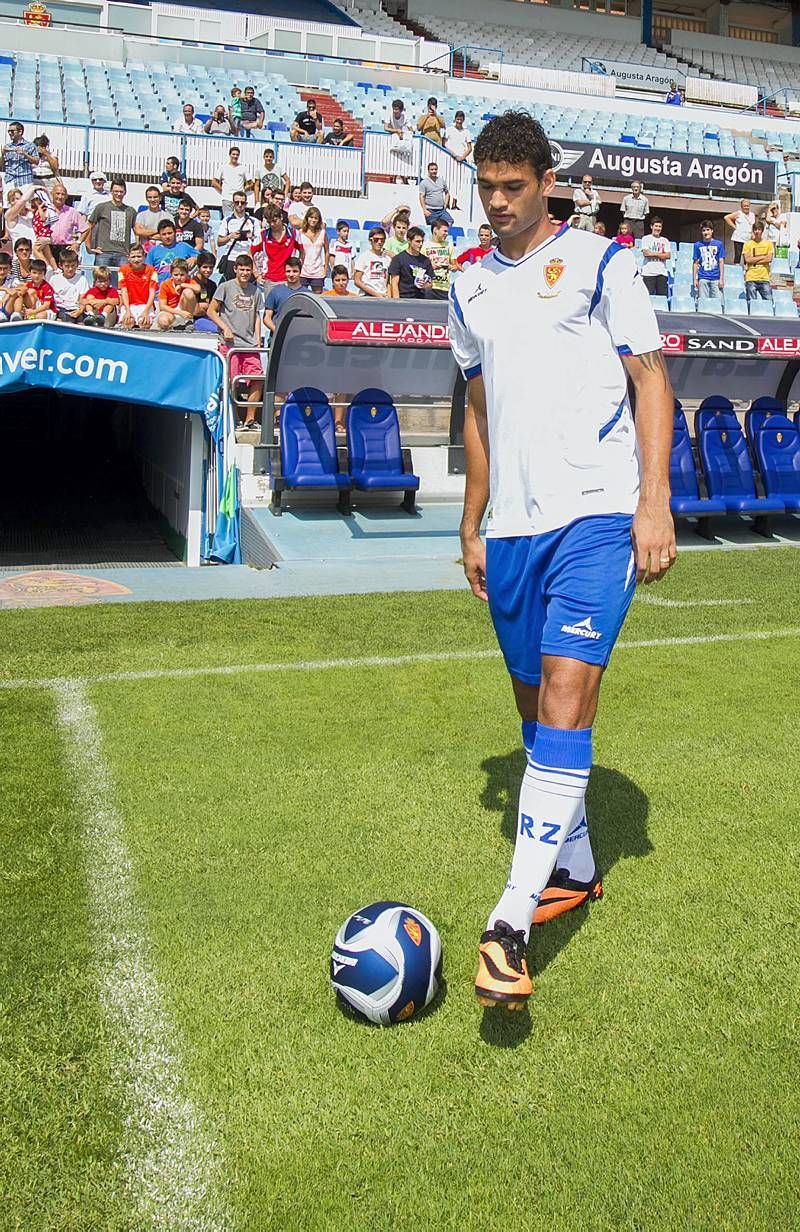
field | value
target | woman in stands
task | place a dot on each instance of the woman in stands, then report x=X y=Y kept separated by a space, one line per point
x=313 y=240
x=46 y=173
x=19 y=215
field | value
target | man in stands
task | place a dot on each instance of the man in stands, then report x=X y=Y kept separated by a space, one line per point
x=68 y=224
x=708 y=265
x=434 y=197
x=280 y=291
x=410 y=272
x=398 y=222
x=586 y=204
x=272 y=176
x=457 y=138
x=219 y=123
x=371 y=269
x=188 y=123
x=656 y=250
x=205 y=288
x=101 y=301
x=138 y=287
x=470 y=255
x=69 y=286
x=237 y=310
x=187 y=229
x=276 y=245
x=230 y=179
x=96 y=195
x=19 y=158
x=167 y=250
x=110 y=228
x=145 y=226
x=176 y=300
x=440 y=252
x=340 y=277
x=307 y=124
x=172 y=167
x=673 y=98
x=252 y=112
x=337 y=134
x=431 y=124
x=757 y=258
x=634 y=208
x=299 y=209
x=174 y=193
x=237 y=235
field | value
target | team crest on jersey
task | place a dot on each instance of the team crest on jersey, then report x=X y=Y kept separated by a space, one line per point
x=552 y=272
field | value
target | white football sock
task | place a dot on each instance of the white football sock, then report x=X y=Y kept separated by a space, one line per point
x=551 y=801
x=576 y=856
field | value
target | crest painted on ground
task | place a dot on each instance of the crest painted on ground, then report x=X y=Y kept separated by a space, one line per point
x=52 y=588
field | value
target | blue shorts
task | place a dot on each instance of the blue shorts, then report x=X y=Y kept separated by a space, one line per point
x=563 y=593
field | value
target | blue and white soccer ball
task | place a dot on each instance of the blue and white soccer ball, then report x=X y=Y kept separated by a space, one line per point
x=387 y=962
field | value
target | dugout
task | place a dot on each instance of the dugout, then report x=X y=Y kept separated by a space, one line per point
x=114 y=449
x=739 y=357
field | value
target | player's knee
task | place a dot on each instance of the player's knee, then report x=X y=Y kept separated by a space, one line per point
x=569 y=692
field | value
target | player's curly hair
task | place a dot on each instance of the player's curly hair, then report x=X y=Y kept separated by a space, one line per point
x=514 y=137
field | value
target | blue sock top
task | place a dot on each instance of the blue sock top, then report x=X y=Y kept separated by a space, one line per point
x=528 y=734
x=563 y=748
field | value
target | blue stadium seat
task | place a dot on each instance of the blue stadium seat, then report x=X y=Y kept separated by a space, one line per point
x=761 y=308
x=760 y=410
x=679 y=423
x=778 y=453
x=377 y=461
x=716 y=412
x=686 y=501
x=712 y=307
x=729 y=476
x=308 y=456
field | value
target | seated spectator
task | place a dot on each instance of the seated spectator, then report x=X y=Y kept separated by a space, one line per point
x=20 y=157
x=172 y=166
x=174 y=193
x=708 y=263
x=337 y=134
x=36 y=300
x=252 y=115
x=313 y=240
x=167 y=250
x=110 y=228
x=457 y=138
x=21 y=263
x=187 y=229
x=68 y=223
x=431 y=124
x=342 y=250
x=625 y=236
x=69 y=286
x=599 y=228
x=371 y=269
x=656 y=250
x=237 y=310
x=307 y=124
x=219 y=123
x=673 y=98
x=434 y=197
x=177 y=300
x=188 y=122
x=410 y=272
x=279 y=292
x=209 y=235
x=397 y=223
x=230 y=179
x=757 y=258
x=235 y=109
x=470 y=255
x=237 y=235
x=272 y=176
x=300 y=207
x=205 y=289
x=340 y=277
x=138 y=288
x=8 y=288
x=101 y=300
x=277 y=245
x=46 y=174
x=440 y=252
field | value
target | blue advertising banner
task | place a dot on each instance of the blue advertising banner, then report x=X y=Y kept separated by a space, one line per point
x=121 y=367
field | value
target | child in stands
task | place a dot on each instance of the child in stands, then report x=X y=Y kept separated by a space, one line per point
x=177 y=299
x=625 y=236
x=37 y=301
x=101 y=301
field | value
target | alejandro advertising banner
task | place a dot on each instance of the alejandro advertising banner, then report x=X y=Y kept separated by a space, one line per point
x=636 y=76
x=656 y=168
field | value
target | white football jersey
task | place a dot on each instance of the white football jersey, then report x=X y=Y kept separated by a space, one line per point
x=547 y=332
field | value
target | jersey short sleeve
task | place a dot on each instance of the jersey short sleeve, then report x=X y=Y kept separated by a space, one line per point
x=462 y=344
x=623 y=304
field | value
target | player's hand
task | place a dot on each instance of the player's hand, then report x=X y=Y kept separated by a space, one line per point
x=653 y=536
x=473 y=553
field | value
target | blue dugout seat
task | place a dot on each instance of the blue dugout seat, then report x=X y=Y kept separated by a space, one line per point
x=308 y=455
x=377 y=461
x=686 y=500
x=761 y=409
x=729 y=475
x=778 y=453
x=716 y=412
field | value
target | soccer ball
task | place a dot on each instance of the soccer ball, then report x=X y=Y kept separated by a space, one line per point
x=386 y=962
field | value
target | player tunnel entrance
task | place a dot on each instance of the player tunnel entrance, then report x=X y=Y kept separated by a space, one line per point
x=94 y=482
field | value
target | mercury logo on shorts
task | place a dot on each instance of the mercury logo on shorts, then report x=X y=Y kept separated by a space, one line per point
x=582 y=629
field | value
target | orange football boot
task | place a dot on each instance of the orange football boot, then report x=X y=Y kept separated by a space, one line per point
x=562 y=894
x=502 y=977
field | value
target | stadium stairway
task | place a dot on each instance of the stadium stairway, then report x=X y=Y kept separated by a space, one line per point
x=331 y=109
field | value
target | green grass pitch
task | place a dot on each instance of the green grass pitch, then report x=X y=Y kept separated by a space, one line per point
x=654 y=1083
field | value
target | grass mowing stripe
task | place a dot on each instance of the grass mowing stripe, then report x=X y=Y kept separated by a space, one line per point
x=171 y=1160
x=318 y=665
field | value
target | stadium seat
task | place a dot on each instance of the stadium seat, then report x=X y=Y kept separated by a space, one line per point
x=712 y=307
x=729 y=476
x=685 y=500
x=761 y=308
x=715 y=412
x=760 y=410
x=778 y=453
x=377 y=461
x=308 y=456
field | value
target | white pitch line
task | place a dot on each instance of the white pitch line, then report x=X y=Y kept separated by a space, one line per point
x=172 y=1164
x=319 y=665
x=658 y=601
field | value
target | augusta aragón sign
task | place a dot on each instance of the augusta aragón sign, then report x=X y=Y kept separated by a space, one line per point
x=699 y=172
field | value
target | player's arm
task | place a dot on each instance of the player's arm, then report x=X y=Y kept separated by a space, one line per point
x=653 y=530
x=476 y=490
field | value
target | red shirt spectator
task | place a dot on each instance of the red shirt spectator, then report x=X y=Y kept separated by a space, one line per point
x=484 y=247
x=44 y=293
x=278 y=242
x=137 y=282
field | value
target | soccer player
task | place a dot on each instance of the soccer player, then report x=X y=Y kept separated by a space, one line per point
x=545 y=329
